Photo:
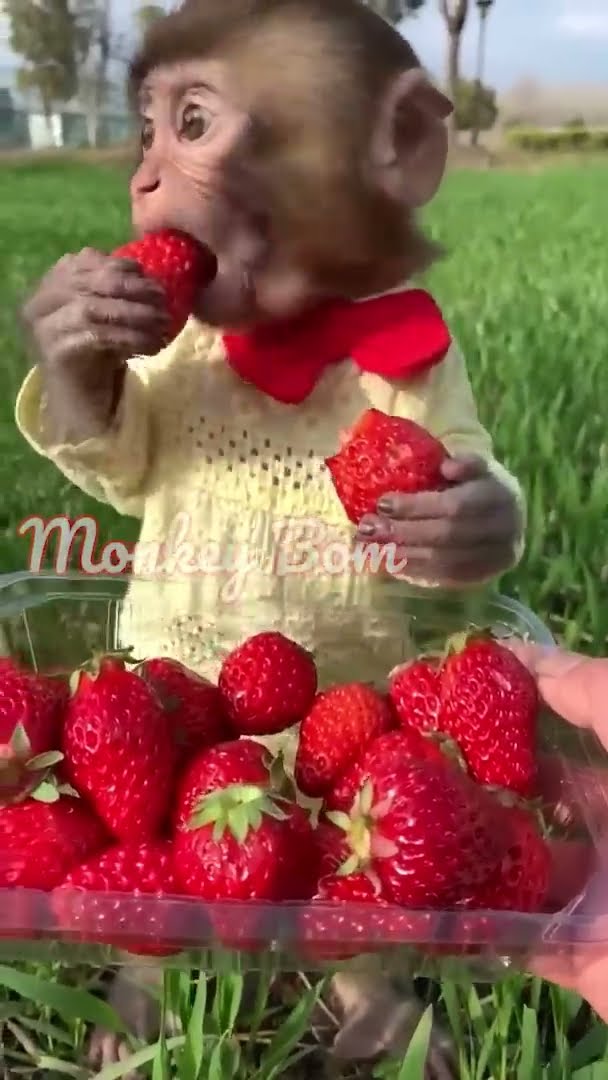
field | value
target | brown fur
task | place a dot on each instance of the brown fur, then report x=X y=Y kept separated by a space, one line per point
x=311 y=73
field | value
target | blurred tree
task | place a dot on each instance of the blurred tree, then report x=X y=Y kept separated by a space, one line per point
x=395 y=10
x=455 y=14
x=148 y=14
x=484 y=7
x=45 y=34
x=475 y=105
x=93 y=55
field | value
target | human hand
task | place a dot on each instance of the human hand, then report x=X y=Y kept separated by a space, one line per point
x=576 y=687
x=91 y=313
x=462 y=535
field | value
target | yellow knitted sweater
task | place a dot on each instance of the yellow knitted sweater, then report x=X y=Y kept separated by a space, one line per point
x=217 y=471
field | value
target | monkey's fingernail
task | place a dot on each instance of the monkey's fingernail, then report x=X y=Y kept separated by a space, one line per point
x=386 y=506
x=366 y=528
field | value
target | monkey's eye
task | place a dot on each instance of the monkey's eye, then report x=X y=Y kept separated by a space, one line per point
x=147 y=134
x=194 y=123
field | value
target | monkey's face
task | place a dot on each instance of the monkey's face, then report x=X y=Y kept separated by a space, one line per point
x=194 y=139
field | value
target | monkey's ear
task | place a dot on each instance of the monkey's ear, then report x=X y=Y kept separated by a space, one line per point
x=410 y=143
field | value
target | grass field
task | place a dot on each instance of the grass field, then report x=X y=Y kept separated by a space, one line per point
x=524 y=286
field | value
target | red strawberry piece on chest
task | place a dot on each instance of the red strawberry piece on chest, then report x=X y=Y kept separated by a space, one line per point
x=119 y=750
x=340 y=725
x=101 y=900
x=267 y=684
x=490 y=707
x=384 y=454
x=179 y=263
x=194 y=704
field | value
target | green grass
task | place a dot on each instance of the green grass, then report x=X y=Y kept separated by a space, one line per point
x=524 y=286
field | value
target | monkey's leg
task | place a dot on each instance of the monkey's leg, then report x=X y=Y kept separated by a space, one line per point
x=380 y=1018
x=133 y=994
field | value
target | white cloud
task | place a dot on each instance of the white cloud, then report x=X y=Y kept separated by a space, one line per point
x=582 y=20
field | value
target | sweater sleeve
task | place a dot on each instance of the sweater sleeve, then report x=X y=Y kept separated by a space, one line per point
x=442 y=401
x=112 y=467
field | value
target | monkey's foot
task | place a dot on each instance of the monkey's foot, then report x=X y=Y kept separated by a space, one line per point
x=377 y=1021
x=107 y=1048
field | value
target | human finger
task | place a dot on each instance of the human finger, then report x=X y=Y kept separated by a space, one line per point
x=574 y=686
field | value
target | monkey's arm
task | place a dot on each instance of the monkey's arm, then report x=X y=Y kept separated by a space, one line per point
x=110 y=467
x=442 y=401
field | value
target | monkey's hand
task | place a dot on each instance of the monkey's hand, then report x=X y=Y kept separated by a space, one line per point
x=89 y=315
x=461 y=536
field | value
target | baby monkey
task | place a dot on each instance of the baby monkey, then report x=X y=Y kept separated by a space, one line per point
x=296 y=139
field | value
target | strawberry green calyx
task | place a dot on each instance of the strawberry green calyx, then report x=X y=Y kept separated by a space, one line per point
x=361 y=832
x=238 y=808
x=20 y=773
x=50 y=790
x=458 y=642
x=102 y=661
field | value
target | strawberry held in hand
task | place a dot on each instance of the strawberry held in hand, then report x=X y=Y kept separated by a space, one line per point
x=490 y=707
x=340 y=724
x=267 y=684
x=194 y=704
x=179 y=263
x=384 y=454
x=119 y=749
x=133 y=869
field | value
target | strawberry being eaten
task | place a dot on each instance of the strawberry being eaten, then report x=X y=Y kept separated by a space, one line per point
x=179 y=263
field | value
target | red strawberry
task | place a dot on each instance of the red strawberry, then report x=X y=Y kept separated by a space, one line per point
x=41 y=842
x=415 y=691
x=136 y=870
x=268 y=684
x=426 y=830
x=198 y=717
x=179 y=263
x=339 y=726
x=30 y=720
x=349 y=916
x=119 y=750
x=384 y=454
x=523 y=877
x=242 y=843
x=241 y=762
x=490 y=706
x=394 y=746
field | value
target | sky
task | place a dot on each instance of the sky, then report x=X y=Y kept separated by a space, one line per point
x=551 y=40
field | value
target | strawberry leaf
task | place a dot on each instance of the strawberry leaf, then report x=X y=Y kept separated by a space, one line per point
x=20 y=742
x=45 y=761
x=340 y=820
x=238 y=823
x=46 y=792
x=67 y=789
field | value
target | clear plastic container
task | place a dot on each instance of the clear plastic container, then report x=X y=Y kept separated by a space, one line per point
x=56 y=622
